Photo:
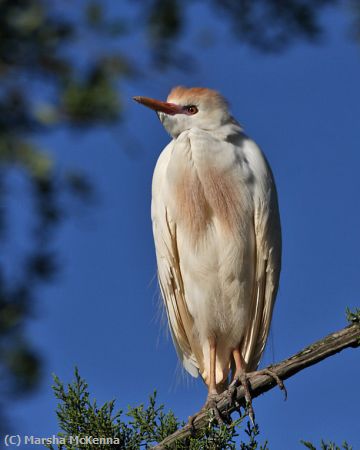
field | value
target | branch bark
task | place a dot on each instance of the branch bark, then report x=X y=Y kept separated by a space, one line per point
x=260 y=383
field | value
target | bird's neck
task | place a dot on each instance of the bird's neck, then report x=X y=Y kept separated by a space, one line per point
x=229 y=128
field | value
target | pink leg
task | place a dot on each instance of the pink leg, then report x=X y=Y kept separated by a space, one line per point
x=212 y=381
x=213 y=396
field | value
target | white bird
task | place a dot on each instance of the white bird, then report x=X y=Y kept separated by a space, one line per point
x=217 y=237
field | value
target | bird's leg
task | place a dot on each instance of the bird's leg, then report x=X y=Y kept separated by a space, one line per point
x=213 y=396
x=240 y=376
x=212 y=382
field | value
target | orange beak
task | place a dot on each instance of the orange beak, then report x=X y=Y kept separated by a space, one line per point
x=157 y=105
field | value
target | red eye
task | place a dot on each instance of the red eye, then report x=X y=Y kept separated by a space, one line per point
x=191 y=109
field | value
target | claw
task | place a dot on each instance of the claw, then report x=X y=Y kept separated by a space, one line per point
x=243 y=380
x=210 y=405
x=275 y=377
x=245 y=384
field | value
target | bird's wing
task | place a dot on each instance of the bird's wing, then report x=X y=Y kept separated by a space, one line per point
x=268 y=258
x=169 y=273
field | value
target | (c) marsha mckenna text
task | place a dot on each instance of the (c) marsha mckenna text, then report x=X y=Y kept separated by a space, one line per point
x=17 y=440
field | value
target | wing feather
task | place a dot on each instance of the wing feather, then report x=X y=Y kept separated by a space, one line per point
x=267 y=270
x=170 y=278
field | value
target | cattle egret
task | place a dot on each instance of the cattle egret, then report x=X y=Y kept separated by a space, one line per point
x=217 y=237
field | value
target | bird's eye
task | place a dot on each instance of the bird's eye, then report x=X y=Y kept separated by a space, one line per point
x=191 y=109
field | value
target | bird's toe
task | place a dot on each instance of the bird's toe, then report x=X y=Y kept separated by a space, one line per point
x=243 y=380
x=211 y=406
x=275 y=377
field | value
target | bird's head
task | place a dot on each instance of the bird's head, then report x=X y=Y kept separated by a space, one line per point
x=186 y=108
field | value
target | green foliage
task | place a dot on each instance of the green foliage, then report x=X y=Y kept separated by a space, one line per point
x=327 y=446
x=141 y=427
x=353 y=316
x=213 y=437
x=253 y=431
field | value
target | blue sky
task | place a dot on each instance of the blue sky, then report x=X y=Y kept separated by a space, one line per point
x=102 y=314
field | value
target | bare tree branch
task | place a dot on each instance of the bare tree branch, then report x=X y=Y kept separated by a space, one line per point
x=260 y=383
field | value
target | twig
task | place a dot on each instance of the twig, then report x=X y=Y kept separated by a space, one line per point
x=260 y=383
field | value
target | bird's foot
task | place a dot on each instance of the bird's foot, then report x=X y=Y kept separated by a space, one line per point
x=210 y=406
x=242 y=379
